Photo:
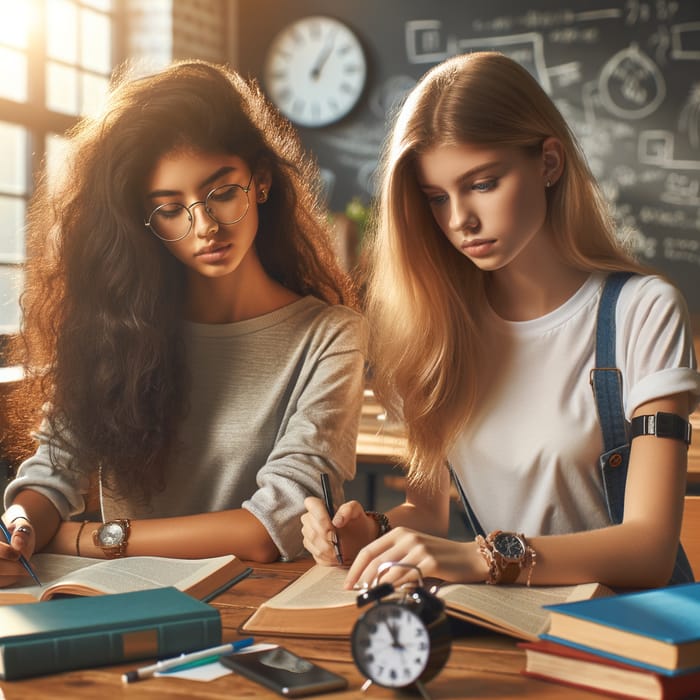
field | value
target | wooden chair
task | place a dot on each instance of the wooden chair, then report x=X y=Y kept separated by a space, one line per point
x=690 y=532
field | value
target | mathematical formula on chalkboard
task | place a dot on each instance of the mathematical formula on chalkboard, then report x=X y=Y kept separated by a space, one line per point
x=626 y=75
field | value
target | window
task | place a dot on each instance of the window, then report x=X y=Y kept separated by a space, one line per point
x=55 y=58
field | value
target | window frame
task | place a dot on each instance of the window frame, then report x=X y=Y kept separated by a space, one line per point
x=40 y=122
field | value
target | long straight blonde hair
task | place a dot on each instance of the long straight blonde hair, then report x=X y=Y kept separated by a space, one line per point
x=431 y=357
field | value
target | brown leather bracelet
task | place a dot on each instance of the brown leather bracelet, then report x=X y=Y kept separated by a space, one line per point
x=77 y=537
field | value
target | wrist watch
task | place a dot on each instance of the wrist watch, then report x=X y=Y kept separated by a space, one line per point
x=112 y=537
x=511 y=554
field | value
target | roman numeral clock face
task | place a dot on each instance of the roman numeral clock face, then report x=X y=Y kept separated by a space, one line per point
x=315 y=71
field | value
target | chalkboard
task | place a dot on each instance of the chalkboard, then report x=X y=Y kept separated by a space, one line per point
x=625 y=74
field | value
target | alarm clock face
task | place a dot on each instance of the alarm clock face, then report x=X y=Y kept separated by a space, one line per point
x=315 y=71
x=391 y=645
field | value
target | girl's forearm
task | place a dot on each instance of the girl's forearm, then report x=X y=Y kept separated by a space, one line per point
x=192 y=537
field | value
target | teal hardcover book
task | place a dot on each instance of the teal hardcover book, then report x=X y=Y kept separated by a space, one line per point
x=71 y=633
x=657 y=629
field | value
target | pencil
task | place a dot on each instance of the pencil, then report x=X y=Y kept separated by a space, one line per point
x=22 y=560
x=326 y=486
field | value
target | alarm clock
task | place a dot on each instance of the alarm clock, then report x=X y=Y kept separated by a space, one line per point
x=403 y=640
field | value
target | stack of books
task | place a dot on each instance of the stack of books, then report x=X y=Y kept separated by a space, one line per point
x=644 y=644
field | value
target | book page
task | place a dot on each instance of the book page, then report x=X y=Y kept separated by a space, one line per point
x=319 y=587
x=63 y=573
x=49 y=568
x=517 y=610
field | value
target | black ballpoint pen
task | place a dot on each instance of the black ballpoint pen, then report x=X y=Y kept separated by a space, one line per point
x=22 y=559
x=326 y=486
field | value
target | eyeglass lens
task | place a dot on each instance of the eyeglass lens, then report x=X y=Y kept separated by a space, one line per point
x=226 y=204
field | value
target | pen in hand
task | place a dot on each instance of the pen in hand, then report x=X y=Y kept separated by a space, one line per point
x=22 y=560
x=326 y=486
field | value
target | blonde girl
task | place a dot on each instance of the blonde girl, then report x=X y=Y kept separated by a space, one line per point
x=491 y=250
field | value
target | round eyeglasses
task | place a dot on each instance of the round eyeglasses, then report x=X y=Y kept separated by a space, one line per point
x=226 y=204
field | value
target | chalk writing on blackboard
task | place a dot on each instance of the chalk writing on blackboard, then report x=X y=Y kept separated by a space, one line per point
x=631 y=84
x=623 y=73
x=656 y=147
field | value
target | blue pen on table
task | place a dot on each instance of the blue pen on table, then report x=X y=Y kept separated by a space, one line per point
x=211 y=654
x=326 y=486
x=22 y=560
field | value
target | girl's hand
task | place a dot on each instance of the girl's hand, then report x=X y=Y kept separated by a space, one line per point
x=351 y=525
x=436 y=557
x=22 y=542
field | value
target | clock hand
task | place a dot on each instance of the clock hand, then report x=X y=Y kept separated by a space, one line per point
x=323 y=57
x=394 y=632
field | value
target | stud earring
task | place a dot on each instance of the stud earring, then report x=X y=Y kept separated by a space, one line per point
x=262 y=197
x=548 y=184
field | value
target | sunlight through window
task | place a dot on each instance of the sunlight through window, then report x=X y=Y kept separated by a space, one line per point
x=16 y=21
x=70 y=43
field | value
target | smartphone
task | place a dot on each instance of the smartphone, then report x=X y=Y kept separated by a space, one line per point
x=284 y=672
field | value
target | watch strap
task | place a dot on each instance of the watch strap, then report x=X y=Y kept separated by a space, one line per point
x=663 y=425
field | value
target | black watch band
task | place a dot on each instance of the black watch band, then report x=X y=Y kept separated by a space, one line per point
x=666 y=425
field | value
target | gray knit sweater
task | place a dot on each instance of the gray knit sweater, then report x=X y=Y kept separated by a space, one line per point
x=274 y=401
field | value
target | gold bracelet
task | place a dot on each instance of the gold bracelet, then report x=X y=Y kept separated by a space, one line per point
x=486 y=551
x=77 y=539
x=532 y=560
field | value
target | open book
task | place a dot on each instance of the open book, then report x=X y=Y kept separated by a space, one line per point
x=317 y=605
x=61 y=574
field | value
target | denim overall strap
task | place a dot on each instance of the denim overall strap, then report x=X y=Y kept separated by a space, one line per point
x=606 y=380
x=607 y=387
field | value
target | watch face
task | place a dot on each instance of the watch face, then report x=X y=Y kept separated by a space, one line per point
x=315 y=71
x=509 y=545
x=391 y=645
x=111 y=534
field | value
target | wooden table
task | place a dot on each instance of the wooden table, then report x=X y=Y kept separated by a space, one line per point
x=481 y=667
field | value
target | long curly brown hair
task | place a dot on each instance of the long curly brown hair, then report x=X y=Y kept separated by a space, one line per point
x=100 y=339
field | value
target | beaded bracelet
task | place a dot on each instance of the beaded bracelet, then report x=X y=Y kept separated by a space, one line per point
x=381 y=520
x=486 y=551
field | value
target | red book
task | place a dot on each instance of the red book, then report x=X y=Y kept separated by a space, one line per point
x=558 y=663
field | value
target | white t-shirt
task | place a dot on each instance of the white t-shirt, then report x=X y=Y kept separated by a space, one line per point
x=529 y=460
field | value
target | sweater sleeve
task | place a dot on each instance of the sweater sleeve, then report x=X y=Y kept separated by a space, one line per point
x=47 y=472
x=319 y=432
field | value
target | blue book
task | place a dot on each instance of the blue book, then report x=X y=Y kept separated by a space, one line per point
x=71 y=633
x=656 y=629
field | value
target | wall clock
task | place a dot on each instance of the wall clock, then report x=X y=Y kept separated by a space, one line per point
x=315 y=71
